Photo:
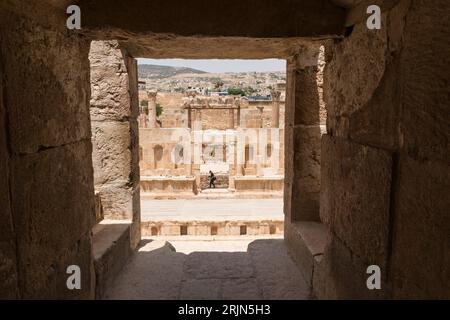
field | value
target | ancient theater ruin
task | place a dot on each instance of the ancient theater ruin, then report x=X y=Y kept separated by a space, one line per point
x=198 y=134
x=354 y=146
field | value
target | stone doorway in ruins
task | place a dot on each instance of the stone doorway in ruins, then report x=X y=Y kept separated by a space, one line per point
x=152 y=171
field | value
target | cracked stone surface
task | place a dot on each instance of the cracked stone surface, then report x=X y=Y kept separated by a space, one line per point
x=240 y=268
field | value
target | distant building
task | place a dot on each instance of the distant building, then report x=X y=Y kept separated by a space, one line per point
x=142 y=85
x=219 y=93
x=255 y=98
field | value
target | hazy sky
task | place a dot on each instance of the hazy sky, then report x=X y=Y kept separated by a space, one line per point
x=221 y=65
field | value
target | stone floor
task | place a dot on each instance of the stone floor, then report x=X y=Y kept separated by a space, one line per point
x=210 y=268
x=212 y=210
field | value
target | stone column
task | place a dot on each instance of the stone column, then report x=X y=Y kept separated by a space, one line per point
x=189 y=117
x=143 y=120
x=152 y=108
x=200 y=119
x=188 y=165
x=276 y=108
x=231 y=118
x=238 y=166
x=259 y=160
x=261 y=110
x=238 y=116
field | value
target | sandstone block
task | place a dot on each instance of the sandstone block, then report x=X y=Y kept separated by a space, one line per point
x=306 y=240
x=306 y=181
x=421 y=252
x=48 y=98
x=308 y=103
x=355 y=197
x=6 y=224
x=112 y=156
x=8 y=270
x=307 y=158
x=66 y=207
x=117 y=201
x=348 y=89
x=110 y=82
x=111 y=250
x=341 y=274
x=377 y=122
x=44 y=275
x=52 y=189
x=425 y=124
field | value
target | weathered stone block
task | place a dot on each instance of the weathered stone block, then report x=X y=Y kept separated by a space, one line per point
x=309 y=107
x=47 y=97
x=99 y=215
x=348 y=89
x=307 y=149
x=341 y=274
x=52 y=189
x=425 y=124
x=110 y=82
x=111 y=156
x=377 y=122
x=421 y=247
x=43 y=275
x=117 y=201
x=355 y=197
x=8 y=270
x=306 y=240
x=111 y=251
x=6 y=225
x=134 y=151
x=79 y=254
x=306 y=180
x=135 y=229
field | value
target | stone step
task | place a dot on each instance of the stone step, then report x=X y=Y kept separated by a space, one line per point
x=111 y=249
x=306 y=242
x=215 y=190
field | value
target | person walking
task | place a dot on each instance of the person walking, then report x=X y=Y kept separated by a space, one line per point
x=212 y=179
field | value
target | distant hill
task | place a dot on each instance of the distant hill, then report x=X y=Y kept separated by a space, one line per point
x=151 y=71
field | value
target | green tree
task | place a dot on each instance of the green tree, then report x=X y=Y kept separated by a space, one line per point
x=249 y=91
x=159 y=109
x=236 y=92
x=218 y=84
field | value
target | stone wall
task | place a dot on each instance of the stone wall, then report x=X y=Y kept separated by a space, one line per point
x=385 y=166
x=161 y=163
x=46 y=179
x=304 y=126
x=114 y=111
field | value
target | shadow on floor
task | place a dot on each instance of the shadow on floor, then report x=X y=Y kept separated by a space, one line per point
x=219 y=270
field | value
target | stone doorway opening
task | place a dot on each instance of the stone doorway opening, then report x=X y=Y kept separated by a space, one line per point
x=230 y=124
x=144 y=168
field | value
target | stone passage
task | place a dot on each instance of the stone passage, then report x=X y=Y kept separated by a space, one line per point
x=223 y=269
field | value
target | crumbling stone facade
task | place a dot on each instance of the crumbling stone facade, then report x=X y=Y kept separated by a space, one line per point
x=231 y=136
